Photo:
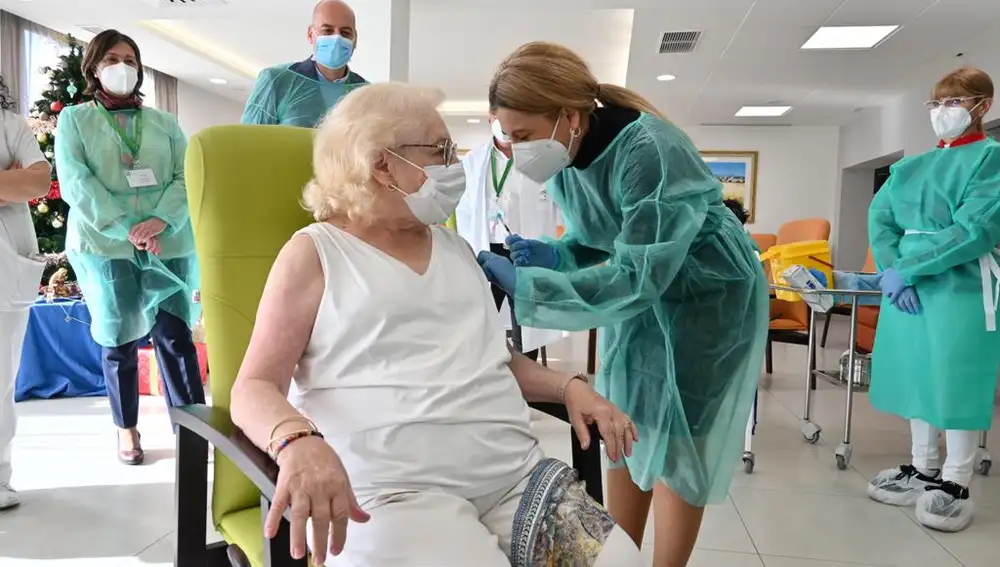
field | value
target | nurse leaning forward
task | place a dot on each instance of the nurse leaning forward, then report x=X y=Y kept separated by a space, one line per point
x=129 y=238
x=934 y=227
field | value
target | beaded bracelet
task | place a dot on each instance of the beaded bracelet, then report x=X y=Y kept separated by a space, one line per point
x=298 y=417
x=289 y=439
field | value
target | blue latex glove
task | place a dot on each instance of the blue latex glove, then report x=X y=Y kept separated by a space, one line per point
x=819 y=276
x=892 y=284
x=532 y=253
x=907 y=301
x=498 y=270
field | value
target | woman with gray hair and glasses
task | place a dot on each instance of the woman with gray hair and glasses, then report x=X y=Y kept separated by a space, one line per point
x=410 y=418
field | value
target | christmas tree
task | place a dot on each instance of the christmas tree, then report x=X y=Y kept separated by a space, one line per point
x=66 y=88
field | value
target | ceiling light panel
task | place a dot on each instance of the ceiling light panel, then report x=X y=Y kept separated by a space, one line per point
x=763 y=111
x=849 y=37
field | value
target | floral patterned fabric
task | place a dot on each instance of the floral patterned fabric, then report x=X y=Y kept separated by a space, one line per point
x=557 y=524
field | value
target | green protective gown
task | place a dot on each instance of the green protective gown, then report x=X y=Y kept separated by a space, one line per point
x=296 y=95
x=653 y=257
x=124 y=287
x=937 y=214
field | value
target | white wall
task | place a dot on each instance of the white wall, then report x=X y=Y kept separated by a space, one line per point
x=198 y=109
x=466 y=135
x=797 y=171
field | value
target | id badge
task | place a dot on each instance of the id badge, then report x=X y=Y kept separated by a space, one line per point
x=140 y=178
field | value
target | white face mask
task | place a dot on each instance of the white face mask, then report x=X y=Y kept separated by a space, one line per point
x=540 y=160
x=119 y=79
x=498 y=132
x=438 y=197
x=951 y=122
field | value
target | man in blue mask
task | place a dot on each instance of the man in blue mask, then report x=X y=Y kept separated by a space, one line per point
x=300 y=94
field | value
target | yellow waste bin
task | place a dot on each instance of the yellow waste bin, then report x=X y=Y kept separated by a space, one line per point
x=813 y=254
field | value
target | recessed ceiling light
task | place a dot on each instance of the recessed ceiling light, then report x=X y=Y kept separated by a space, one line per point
x=762 y=111
x=473 y=121
x=666 y=78
x=849 y=37
x=217 y=81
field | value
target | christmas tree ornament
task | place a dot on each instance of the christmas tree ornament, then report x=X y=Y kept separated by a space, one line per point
x=66 y=87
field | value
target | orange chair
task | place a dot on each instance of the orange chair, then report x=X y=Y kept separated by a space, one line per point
x=867 y=316
x=845 y=310
x=802 y=230
x=790 y=319
x=764 y=242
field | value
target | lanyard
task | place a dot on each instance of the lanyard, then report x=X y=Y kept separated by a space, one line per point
x=498 y=185
x=132 y=143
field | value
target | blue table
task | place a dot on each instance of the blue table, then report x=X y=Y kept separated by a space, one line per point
x=60 y=359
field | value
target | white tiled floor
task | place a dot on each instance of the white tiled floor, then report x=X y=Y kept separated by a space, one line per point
x=797 y=510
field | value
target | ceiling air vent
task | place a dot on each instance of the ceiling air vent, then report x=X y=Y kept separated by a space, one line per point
x=679 y=42
x=92 y=29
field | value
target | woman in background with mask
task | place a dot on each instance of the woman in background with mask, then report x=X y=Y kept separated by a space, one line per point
x=410 y=418
x=933 y=228
x=653 y=257
x=129 y=239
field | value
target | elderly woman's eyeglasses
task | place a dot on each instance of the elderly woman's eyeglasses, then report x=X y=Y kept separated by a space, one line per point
x=950 y=102
x=448 y=149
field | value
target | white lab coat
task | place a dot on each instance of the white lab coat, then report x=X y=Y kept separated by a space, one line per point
x=527 y=210
x=21 y=275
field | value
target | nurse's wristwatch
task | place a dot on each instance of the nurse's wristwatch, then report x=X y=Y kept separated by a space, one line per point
x=561 y=392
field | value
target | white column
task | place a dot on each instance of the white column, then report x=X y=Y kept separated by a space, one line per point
x=383 y=40
x=399 y=41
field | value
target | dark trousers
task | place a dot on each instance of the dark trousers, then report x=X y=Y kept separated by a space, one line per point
x=498 y=297
x=178 y=364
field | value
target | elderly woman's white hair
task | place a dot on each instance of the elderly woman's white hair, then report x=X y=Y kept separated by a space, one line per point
x=365 y=122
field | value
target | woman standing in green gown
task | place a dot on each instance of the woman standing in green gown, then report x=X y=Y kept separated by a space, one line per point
x=934 y=228
x=653 y=257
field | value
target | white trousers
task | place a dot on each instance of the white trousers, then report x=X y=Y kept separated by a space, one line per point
x=431 y=528
x=12 y=327
x=962 y=447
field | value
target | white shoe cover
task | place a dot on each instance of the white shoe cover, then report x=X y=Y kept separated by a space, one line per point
x=945 y=509
x=8 y=498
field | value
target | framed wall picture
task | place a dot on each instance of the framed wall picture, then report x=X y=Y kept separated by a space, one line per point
x=737 y=171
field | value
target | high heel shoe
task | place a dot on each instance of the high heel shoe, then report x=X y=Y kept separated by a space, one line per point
x=131 y=457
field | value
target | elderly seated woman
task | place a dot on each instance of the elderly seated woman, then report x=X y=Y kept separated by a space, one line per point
x=409 y=420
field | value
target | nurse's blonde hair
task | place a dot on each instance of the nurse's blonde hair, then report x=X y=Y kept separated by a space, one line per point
x=964 y=82
x=352 y=137
x=545 y=78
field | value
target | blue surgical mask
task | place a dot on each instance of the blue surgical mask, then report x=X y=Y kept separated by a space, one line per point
x=333 y=51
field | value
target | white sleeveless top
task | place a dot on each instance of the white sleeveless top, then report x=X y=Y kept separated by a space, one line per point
x=407 y=375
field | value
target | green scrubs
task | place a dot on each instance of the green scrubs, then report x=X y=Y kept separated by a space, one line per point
x=937 y=221
x=653 y=256
x=296 y=95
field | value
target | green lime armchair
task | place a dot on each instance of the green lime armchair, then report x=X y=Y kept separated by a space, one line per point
x=244 y=185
